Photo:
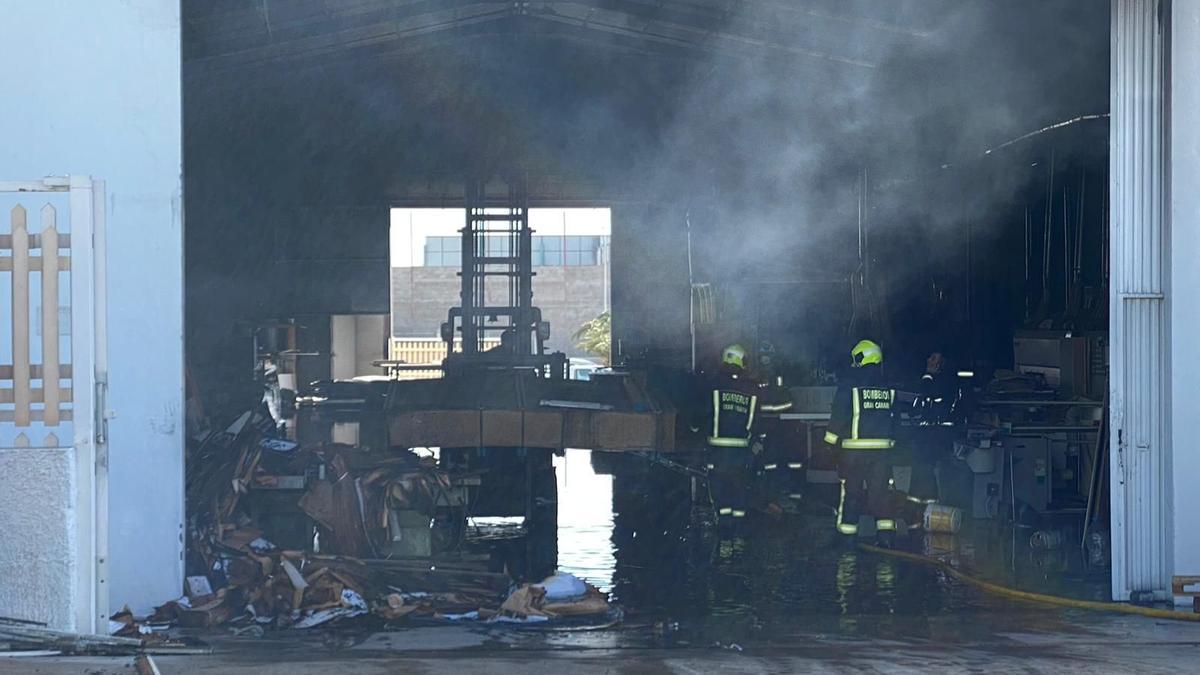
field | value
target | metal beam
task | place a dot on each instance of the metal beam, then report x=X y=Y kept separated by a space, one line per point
x=677 y=25
x=380 y=32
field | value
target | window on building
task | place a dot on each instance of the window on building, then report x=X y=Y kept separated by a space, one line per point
x=546 y=251
x=581 y=251
x=443 y=252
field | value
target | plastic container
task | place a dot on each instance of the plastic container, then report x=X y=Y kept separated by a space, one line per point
x=943 y=519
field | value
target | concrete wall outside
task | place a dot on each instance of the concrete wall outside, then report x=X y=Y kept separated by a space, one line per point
x=1184 y=283
x=94 y=88
x=568 y=297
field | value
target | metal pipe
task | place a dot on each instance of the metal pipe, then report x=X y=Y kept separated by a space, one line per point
x=687 y=220
x=1028 y=246
x=1066 y=254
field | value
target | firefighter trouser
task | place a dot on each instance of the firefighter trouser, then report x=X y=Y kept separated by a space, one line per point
x=728 y=479
x=921 y=456
x=865 y=490
x=783 y=474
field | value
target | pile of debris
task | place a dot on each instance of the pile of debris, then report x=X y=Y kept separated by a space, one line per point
x=349 y=537
x=20 y=637
x=294 y=589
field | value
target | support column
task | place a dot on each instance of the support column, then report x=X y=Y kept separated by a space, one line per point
x=1140 y=449
x=1184 y=301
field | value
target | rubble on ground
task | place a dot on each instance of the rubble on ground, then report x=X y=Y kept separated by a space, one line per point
x=362 y=551
x=372 y=558
x=33 y=638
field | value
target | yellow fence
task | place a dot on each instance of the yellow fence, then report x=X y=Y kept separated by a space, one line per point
x=424 y=350
x=37 y=393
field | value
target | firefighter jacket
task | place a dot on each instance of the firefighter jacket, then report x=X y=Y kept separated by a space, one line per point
x=774 y=398
x=938 y=401
x=731 y=407
x=862 y=414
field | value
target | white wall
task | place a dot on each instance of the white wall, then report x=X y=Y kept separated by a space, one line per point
x=356 y=341
x=343 y=357
x=94 y=88
x=370 y=343
x=1185 y=283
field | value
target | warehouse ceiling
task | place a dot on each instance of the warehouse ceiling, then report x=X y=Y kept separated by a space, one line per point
x=257 y=33
x=369 y=101
x=396 y=99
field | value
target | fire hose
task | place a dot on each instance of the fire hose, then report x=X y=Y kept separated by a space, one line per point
x=1027 y=596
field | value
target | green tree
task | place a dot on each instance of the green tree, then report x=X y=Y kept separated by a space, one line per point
x=595 y=337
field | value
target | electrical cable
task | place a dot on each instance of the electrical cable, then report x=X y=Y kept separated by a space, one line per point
x=1028 y=596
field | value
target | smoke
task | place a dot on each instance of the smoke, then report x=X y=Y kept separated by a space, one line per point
x=777 y=140
x=758 y=127
x=899 y=99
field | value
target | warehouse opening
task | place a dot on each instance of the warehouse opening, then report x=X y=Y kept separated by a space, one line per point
x=569 y=253
x=493 y=267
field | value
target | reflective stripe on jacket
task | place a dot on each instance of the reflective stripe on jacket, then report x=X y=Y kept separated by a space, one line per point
x=862 y=413
x=774 y=399
x=730 y=407
x=732 y=418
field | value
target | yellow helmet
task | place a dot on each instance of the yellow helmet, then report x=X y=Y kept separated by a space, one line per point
x=734 y=355
x=864 y=353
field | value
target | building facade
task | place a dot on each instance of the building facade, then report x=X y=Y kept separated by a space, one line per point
x=94 y=93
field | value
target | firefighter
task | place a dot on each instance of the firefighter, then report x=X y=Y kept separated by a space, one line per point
x=731 y=407
x=939 y=421
x=936 y=398
x=861 y=428
x=780 y=462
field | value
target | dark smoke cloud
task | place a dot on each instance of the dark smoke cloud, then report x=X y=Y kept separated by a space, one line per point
x=769 y=148
x=778 y=140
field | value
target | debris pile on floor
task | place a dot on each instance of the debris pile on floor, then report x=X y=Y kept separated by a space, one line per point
x=558 y=596
x=364 y=547
x=19 y=637
x=293 y=589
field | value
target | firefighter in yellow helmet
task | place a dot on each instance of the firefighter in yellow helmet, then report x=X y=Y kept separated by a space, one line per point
x=861 y=428
x=731 y=405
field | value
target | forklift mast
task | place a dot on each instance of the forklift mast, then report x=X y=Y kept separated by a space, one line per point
x=497 y=247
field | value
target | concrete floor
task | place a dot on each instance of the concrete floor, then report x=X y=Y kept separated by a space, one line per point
x=785 y=596
x=1107 y=645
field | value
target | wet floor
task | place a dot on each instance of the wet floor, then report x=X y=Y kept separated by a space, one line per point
x=786 y=576
x=784 y=595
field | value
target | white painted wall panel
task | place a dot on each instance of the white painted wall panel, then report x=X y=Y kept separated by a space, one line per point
x=94 y=88
x=1185 y=282
x=1140 y=362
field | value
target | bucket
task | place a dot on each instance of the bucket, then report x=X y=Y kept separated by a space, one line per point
x=1046 y=539
x=939 y=543
x=940 y=518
